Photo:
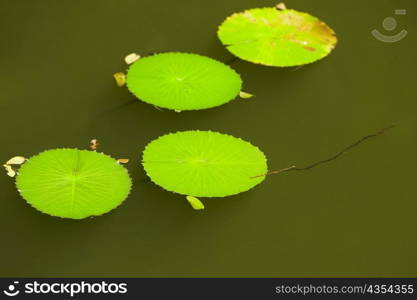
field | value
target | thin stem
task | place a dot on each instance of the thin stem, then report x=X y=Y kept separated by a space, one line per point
x=276 y=172
x=337 y=155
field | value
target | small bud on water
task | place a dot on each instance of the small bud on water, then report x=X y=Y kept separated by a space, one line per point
x=195 y=202
x=245 y=95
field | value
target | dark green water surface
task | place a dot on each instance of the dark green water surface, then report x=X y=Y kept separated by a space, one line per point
x=355 y=216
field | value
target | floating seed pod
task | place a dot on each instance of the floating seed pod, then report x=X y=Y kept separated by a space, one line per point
x=72 y=183
x=204 y=164
x=276 y=36
x=182 y=81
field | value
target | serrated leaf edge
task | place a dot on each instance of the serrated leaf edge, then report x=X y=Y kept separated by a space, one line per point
x=193 y=54
x=91 y=216
x=199 y=196
x=333 y=33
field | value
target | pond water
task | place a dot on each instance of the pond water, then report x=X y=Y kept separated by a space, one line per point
x=355 y=216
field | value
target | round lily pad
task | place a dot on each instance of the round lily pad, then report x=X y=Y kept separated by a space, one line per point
x=274 y=37
x=72 y=183
x=204 y=163
x=183 y=81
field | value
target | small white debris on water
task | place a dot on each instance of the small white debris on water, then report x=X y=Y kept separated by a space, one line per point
x=10 y=171
x=123 y=160
x=131 y=58
x=94 y=144
x=17 y=160
x=281 y=6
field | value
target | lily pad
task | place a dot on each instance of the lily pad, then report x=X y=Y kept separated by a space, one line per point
x=274 y=37
x=183 y=81
x=203 y=163
x=72 y=183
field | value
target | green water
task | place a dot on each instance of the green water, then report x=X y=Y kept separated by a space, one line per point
x=355 y=216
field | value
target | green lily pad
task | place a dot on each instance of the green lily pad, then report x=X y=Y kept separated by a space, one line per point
x=183 y=81
x=72 y=183
x=204 y=163
x=274 y=37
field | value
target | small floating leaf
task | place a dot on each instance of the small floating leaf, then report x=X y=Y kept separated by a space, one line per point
x=183 y=81
x=277 y=37
x=72 y=183
x=120 y=78
x=10 y=171
x=203 y=163
x=245 y=95
x=131 y=58
x=195 y=202
x=17 y=160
